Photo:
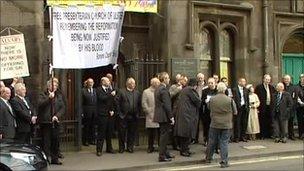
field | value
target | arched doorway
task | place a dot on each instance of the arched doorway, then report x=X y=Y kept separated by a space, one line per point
x=293 y=55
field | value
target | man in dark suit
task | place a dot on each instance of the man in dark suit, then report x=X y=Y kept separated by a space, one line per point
x=7 y=117
x=51 y=107
x=105 y=115
x=89 y=99
x=265 y=93
x=206 y=95
x=129 y=110
x=292 y=90
x=300 y=107
x=281 y=113
x=241 y=98
x=25 y=114
x=163 y=116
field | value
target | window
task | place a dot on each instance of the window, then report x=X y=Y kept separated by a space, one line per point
x=226 y=53
x=205 y=44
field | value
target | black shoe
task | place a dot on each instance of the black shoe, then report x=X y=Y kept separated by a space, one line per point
x=170 y=156
x=292 y=138
x=194 y=141
x=176 y=148
x=191 y=152
x=224 y=165
x=60 y=155
x=150 y=150
x=284 y=140
x=163 y=159
x=276 y=140
x=110 y=151
x=236 y=140
x=130 y=150
x=98 y=153
x=206 y=161
x=185 y=154
x=244 y=140
x=85 y=144
x=121 y=150
x=57 y=162
x=92 y=143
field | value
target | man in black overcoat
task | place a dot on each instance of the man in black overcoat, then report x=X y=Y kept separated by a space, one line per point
x=129 y=105
x=51 y=108
x=89 y=99
x=265 y=92
x=106 y=107
x=240 y=121
x=163 y=116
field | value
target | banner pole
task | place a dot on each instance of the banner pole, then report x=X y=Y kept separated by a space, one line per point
x=51 y=67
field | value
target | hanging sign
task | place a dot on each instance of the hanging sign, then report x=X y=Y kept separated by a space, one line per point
x=86 y=37
x=130 y=5
x=13 y=60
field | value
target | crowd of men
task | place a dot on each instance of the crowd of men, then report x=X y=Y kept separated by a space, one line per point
x=174 y=113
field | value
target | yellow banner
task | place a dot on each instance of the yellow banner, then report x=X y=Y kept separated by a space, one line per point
x=130 y=5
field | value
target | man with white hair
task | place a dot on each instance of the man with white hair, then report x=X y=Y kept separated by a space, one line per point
x=222 y=108
x=7 y=117
x=51 y=108
x=292 y=90
x=25 y=114
x=265 y=92
x=129 y=109
x=148 y=105
x=281 y=113
x=105 y=115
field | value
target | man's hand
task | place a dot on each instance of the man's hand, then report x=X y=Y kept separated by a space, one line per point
x=113 y=93
x=111 y=113
x=34 y=119
x=52 y=95
x=0 y=136
x=55 y=119
x=172 y=121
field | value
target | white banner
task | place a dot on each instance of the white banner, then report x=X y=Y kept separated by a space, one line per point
x=86 y=37
x=13 y=60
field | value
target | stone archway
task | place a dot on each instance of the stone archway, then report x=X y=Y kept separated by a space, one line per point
x=292 y=54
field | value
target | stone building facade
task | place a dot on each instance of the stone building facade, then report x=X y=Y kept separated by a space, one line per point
x=231 y=38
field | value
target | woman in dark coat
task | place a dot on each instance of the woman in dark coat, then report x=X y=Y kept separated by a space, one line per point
x=187 y=115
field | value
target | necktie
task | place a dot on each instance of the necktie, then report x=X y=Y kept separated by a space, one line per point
x=278 y=99
x=26 y=104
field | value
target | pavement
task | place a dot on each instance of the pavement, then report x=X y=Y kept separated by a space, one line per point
x=86 y=159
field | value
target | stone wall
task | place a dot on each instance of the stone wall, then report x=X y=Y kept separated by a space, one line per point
x=27 y=17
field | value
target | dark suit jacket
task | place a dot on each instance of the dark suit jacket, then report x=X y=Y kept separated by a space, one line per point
x=7 y=121
x=284 y=107
x=105 y=102
x=87 y=98
x=163 y=110
x=125 y=101
x=206 y=92
x=23 y=114
x=262 y=94
x=237 y=97
x=45 y=107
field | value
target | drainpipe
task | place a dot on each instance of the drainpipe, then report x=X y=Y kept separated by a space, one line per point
x=265 y=37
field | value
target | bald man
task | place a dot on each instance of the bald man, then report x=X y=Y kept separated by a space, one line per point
x=292 y=90
x=105 y=115
x=8 y=123
x=281 y=113
x=129 y=108
x=89 y=99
